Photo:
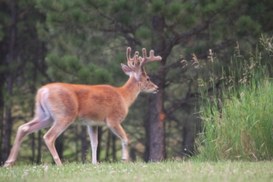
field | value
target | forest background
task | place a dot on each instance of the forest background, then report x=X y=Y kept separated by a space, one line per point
x=84 y=41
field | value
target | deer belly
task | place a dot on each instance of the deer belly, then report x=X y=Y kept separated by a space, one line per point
x=90 y=122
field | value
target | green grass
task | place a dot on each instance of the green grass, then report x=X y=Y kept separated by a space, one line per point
x=163 y=171
x=244 y=129
x=237 y=117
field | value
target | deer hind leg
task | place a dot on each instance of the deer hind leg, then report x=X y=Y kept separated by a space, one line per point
x=120 y=133
x=52 y=134
x=25 y=129
x=93 y=134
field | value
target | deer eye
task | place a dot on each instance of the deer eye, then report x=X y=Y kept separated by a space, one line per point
x=148 y=79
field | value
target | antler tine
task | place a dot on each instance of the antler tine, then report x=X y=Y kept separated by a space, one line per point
x=128 y=54
x=151 y=57
x=144 y=53
x=132 y=61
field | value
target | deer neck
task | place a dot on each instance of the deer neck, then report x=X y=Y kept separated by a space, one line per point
x=130 y=91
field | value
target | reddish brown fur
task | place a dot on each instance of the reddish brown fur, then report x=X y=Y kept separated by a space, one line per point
x=96 y=103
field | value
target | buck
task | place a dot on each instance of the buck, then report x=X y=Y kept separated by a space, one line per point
x=58 y=105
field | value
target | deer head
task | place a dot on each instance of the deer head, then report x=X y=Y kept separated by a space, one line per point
x=135 y=69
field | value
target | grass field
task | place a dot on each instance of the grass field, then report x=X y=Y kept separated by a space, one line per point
x=165 y=171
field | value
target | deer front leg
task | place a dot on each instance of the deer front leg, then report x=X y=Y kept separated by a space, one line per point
x=23 y=130
x=93 y=134
x=119 y=132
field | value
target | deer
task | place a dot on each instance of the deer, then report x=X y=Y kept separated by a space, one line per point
x=58 y=105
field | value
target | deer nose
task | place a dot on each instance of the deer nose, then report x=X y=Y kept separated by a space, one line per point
x=156 y=89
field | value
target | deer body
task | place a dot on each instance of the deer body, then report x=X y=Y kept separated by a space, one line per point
x=88 y=103
x=58 y=105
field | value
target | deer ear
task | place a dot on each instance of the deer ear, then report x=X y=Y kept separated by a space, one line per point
x=126 y=69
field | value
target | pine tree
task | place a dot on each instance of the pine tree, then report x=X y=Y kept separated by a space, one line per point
x=21 y=57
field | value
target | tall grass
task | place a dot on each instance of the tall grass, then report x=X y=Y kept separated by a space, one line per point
x=243 y=129
x=239 y=124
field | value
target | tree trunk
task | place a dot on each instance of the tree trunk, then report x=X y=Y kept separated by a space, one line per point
x=155 y=132
x=114 y=148
x=191 y=126
x=108 y=144
x=84 y=143
x=99 y=144
x=1 y=119
x=2 y=155
x=39 y=148
x=188 y=135
x=33 y=146
x=6 y=140
x=9 y=79
x=60 y=146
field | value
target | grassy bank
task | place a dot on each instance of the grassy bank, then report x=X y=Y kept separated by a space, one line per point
x=164 y=171
x=237 y=120
x=242 y=129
